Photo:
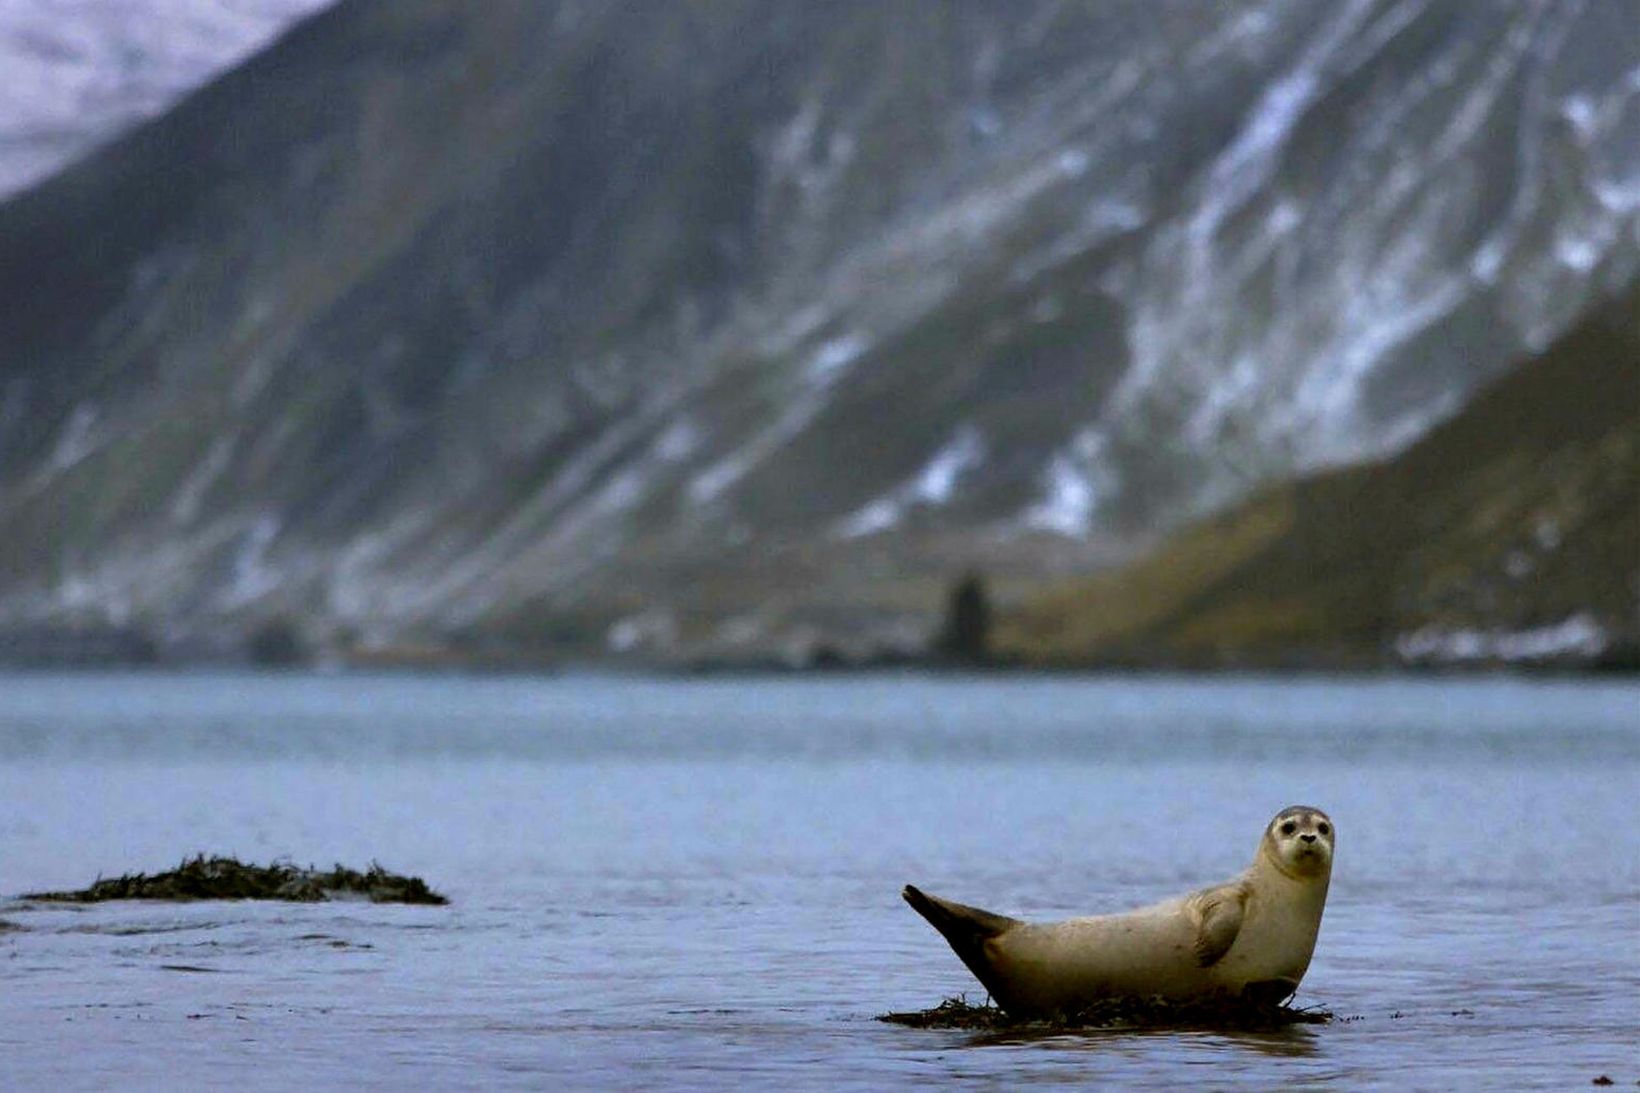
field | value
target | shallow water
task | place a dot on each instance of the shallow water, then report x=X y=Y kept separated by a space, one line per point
x=694 y=883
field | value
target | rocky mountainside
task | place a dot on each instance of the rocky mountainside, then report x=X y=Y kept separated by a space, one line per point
x=724 y=325
x=1510 y=534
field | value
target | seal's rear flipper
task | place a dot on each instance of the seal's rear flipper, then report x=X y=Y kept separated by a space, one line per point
x=956 y=919
x=966 y=928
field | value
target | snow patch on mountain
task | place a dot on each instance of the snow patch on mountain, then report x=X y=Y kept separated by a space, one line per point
x=1580 y=635
x=1076 y=482
x=935 y=484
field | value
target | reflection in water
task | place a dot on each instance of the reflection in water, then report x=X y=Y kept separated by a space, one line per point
x=1297 y=1041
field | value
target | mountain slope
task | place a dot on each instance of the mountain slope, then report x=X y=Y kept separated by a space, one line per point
x=724 y=322
x=1511 y=532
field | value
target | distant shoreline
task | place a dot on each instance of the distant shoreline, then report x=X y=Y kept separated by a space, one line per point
x=103 y=653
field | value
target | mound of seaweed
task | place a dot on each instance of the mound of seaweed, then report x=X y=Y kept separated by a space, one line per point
x=1214 y=1013
x=227 y=878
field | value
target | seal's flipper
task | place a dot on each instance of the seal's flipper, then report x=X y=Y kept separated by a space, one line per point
x=952 y=919
x=966 y=928
x=1221 y=911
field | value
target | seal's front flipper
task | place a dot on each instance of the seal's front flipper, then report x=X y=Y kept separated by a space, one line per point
x=1220 y=912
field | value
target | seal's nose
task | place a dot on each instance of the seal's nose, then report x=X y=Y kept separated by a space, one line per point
x=1308 y=837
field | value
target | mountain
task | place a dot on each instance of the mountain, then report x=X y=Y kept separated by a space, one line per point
x=1510 y=533
x=723 y=325
x=74 y=73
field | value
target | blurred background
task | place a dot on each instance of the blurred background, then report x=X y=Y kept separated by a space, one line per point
x=1273 y=334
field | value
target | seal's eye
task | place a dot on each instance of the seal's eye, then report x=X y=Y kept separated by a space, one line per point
x=1324 y=829
x=1288 y=828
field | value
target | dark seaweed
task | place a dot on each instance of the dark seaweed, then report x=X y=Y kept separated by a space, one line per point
x=1217 y=1013
x=200 y=878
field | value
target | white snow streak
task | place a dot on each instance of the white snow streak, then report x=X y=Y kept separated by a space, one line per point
x=829 y=363
x=1577 y=635
x=935 y=484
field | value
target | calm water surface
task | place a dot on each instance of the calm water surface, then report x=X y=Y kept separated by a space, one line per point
x=694 y=884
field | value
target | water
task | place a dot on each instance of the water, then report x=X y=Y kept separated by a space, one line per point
x=694 y=884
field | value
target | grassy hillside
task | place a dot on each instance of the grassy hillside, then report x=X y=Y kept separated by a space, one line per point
x=1512 y=532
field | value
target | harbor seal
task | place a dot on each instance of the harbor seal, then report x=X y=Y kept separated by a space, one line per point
x=1250 y=937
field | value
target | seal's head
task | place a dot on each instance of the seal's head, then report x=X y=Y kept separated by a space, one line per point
x=1299 y=842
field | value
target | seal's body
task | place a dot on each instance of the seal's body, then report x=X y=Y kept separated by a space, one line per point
x=1252 y=936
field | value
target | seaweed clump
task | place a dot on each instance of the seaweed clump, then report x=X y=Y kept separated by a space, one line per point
x=1236 y=1013
x=201 y=878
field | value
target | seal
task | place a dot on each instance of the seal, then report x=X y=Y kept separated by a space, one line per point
x=1250 y=937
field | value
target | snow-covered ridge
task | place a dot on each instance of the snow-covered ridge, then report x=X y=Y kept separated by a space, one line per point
x=74 y=73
